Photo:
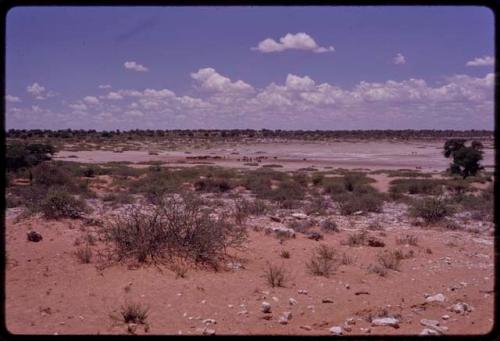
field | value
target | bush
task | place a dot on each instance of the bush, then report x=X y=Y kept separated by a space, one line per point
x=59 y=204
x=357 y=238
x=212 y=185
x=354 y=202
x=275 y=275
x=243 y=208
x=329 y=225
x=430 y=209
x=285 y=254
x=389 y=260
x=134 y=313
x=322 y=261
x=175 y=226
x=417 y=186
x=84 y=254
x=49 y=174
x=407 y=240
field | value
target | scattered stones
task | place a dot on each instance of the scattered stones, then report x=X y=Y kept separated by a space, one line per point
x=265 y=307
x=461 y=308
x=209 y=321
x=434 y=325
x=350 y=321
x=280 y=231
x=302 y=292
x=386 y=321
x=366 y=330
x=336 y=330
x=435 y=298
x=34 y=236
x=327 y=300
x=292 y=301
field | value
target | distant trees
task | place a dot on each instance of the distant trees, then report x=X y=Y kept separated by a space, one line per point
x=20 y=155
x=465 y=158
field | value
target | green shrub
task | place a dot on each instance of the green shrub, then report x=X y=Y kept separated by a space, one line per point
x=59 y=204
x=430 y=209
x=212 y=185
x=350 y=203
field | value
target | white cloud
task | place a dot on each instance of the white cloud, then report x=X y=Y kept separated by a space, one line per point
x=113 y=96
x=91 y=100
x=294 y=82
x=78 y=106
x=135 y=66
x=399 y=59
x=104 y=86
x=12 y=99
x=39 y=92
x=211 y=80
x=481 y=61
x=36 y=90
x=298 y=41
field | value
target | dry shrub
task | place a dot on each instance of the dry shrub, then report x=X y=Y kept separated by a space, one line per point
x=329 y=225
x=285 y=254
x=407 y=239
x=275 y=275
x=322 y=261
x=377 y=269
x=175 y=226
x=134 y=313
x=244 y=208
x=84 y=254
x=346 y=259
x=389 y=260
x=357 y=238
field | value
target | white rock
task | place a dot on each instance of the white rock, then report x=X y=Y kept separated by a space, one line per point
x=427 y=331
x=299 y=215
x=280 y=231
x=209 y=321
x=287 y=315
x=429 y=323
x=292 y=301
x=461 y=308
x=302 y=292
x=435 y=298
x=275 y=299
x=350 y=321
x=265 y=307
x=208 y=331
x=386 y=321
x=336 y=330
x=445 y=317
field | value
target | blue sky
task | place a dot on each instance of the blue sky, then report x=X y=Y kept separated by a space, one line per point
x=250 y=67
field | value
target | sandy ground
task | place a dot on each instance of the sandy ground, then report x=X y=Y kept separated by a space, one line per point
x=48 y=291
x=422 y=155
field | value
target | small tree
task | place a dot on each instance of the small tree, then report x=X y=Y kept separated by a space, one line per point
x=465 y=158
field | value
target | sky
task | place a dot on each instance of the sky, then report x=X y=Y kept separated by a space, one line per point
x=308 y=68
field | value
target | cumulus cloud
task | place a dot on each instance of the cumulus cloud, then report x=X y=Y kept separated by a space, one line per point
x=298 y=41
x=297 y=102
x=135 y=66
x=12 y=99
x=399 y=59
x=211 y=80
x=91 y=100
x=104 y=86
x=481 y=61
x=39 y=92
